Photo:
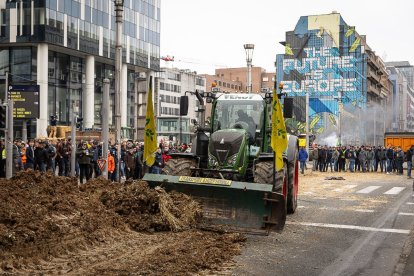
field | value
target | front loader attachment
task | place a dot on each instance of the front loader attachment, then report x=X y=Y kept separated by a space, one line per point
x=239 y=206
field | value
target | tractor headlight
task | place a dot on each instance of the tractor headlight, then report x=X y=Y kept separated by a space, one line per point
x=232 y=160
x=212 y=161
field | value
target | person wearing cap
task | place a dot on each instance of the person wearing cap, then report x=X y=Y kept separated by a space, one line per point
x=84 y=160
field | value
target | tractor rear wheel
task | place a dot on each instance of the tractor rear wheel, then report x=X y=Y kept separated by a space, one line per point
x=292 y=191
x=179 y=166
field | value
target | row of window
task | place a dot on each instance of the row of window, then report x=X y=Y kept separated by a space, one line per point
x=170 y=111
x=228 y=85
x=170 y=87
x=170 y=99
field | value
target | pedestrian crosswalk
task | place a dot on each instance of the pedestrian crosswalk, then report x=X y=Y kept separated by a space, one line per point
x=367 y=190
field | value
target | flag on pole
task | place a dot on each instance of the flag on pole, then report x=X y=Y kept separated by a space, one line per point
x=150 y=137
x=279 y=140
x=355 y=45
x=288 y=50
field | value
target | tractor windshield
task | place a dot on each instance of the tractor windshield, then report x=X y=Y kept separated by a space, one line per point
x=247 y=114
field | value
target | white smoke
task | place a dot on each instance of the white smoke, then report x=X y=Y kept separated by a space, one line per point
x=329 y=140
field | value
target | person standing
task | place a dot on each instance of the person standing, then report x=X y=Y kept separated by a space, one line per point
x=130 y=163
x=351 y=156
x=314 y=155
x=363 y=159
x=335 y=158
x=370 y=159
x=111 y=167
x=390 y=159
x=156 y=167
x=399 y=160
x=409 y=156
x=139 y=165
x=303 y=156
x=30 y=156
x=84 y=159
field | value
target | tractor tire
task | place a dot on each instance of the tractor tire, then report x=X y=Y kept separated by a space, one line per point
x=292 y=187
x=179 y=166
x=263 y=173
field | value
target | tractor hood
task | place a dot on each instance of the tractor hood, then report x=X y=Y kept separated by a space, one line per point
x=226 y=143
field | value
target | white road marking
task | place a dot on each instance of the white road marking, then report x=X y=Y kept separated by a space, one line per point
x=364 y=210
x=406 y=214
x=394 y=191
x=352 y=227
x=368 y=189
x=346 y=187
x=410 y=203
x=301 y=206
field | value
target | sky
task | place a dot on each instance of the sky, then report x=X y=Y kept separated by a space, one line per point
x=204 y=35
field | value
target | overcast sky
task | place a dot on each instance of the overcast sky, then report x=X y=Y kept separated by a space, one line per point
x=205 y=35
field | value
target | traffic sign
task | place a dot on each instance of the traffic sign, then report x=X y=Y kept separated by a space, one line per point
x=101 y=164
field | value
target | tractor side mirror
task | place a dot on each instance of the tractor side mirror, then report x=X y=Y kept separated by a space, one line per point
x=183 y=105
x=288 y=107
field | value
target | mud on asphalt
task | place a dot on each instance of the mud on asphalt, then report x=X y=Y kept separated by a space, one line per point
x=51 y=225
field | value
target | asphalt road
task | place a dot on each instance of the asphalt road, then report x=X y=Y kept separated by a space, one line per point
x=358 y=226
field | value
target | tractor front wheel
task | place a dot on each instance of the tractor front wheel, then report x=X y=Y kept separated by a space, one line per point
x=179 y=166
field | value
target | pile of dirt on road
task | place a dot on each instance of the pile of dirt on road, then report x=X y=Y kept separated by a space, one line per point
x=43 y=217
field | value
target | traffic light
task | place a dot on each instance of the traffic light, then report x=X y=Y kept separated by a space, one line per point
x=79 y=121
x=3 y=116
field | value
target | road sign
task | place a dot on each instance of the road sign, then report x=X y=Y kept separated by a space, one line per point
x=101 y=164
x=26 y=101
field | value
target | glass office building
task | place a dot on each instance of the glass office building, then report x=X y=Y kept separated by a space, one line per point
x=67 y=47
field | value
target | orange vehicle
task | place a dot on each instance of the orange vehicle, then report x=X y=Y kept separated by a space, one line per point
x=399 y=139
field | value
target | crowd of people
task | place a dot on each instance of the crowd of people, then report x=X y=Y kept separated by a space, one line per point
x=55 y=155
x=358 y=159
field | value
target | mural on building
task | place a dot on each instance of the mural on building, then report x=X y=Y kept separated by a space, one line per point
x=323 y=57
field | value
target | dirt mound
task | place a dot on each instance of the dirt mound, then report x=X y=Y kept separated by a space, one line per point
x=48 y=218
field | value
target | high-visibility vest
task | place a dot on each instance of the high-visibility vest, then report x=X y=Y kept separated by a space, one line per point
x=24 y=158
x=3 y=154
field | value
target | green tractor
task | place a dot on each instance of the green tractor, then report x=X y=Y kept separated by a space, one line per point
x=231 y=167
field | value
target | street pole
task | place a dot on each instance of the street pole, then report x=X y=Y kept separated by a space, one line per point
x=307 y=116
x=74 y=148
x=9 y=140
x=24 y=131
x=339 y=117
x=105 y=126
x=119 y=9
x=375 y=127
x=249 y=55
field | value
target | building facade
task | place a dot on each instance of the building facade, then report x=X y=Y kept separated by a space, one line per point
x=401 y=107
x=173 y=83
x=67 y=47
x=328 y=60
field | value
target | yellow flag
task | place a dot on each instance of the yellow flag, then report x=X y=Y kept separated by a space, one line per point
x=288 y=50
x=150 y=137
x=355 y=45
x=279 y=140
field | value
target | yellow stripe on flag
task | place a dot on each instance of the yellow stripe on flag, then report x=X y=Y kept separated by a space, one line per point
x=314 y=121
x=332 y=119
x=150 y=137
x=288 y=50
x=279 y=140
x=355 y=44
x=350 y=31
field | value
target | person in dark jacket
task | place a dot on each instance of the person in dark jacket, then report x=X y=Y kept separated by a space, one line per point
x=30 y=156
x=329 y=163
x=41 y=157
x=303 y=156
x=399 y=160
x=84 y=156
x=156 y=167
x=322 y=159
x=409 y=156
x=390 y=159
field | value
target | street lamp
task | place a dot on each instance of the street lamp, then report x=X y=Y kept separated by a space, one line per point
x=249 y=55
x=119 y=9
